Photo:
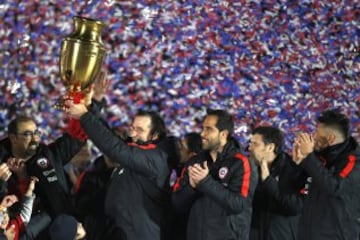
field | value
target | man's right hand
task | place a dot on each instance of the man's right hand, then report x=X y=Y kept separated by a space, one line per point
x=74 y=110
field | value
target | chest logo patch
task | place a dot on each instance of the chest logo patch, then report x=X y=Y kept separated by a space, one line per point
x=42 y=163
x=223 y=172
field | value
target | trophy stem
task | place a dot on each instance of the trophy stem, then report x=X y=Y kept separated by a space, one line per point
x=75 y=93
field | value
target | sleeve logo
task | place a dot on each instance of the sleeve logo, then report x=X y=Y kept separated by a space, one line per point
x=42 y=163
x=223 y=172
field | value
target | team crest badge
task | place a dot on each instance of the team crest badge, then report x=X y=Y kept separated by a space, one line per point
x=42 y=163
x=223 y=172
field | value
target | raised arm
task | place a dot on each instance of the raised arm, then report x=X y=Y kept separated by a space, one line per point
x=151 y=161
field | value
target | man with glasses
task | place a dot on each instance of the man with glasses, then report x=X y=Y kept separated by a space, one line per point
x=136 y=200
x=26 y=156
x=24 y=137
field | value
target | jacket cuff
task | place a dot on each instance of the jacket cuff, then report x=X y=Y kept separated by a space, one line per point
x=75 y=130
x=311 y=163
x=100 y=103
x=203 y=185
x=85 y=117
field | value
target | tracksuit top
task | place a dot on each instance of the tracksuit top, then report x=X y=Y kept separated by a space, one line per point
x=332 y=206
x=136 y=194
x=47 y=165
x=278 y=201
x=220 y=207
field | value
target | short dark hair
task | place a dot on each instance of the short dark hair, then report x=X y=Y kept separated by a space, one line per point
x=224 y=120
x=13 y=126
x=193 y=141
x=271 y=135
x=334 y=119
x=157 y=123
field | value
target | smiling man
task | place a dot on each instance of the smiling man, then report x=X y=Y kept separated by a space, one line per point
x=24 y=137
x=218 y=185
x=136 y=200
x=28 y=157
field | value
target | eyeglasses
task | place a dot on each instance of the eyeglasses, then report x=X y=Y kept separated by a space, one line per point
x=30 y=134
x=137 y=129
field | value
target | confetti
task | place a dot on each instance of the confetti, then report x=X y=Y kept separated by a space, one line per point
x=276 y=63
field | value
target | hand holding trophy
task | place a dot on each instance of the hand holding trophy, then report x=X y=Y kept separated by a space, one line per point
x=81 y=57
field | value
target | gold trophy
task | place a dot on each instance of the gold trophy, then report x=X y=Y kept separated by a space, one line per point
x=81 y=57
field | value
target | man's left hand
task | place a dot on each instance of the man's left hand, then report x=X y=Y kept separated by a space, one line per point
x=198 y=173
x=306 y=143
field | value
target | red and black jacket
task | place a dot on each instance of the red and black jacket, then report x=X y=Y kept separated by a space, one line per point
x=136 y=193
x=332 y=206
x=221 y=205
x=47 y=165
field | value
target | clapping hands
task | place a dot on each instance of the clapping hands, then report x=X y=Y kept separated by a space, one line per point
x=197 y=173
x=302 y=147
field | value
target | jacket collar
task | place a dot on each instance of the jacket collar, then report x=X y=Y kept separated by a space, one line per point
x=331 y=153
x=279 y=163
x=230 y=149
